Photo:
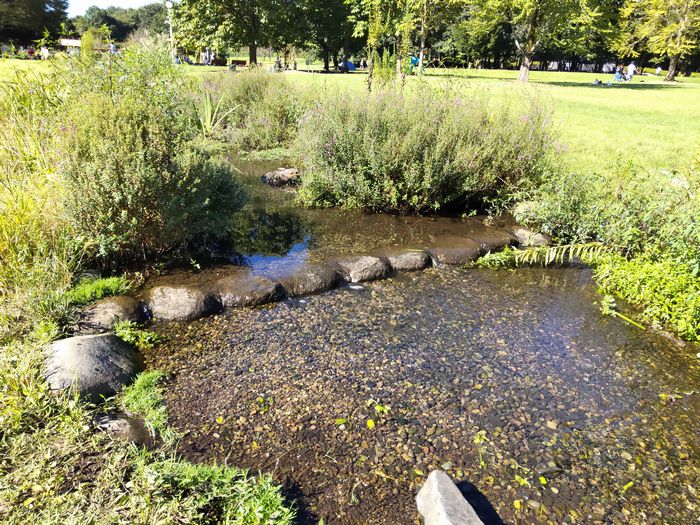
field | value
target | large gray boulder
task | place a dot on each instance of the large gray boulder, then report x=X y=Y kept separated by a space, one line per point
x=182 y=303
x=441 y=503
x=96 y=365
x=404 y=259
x=528 y=238
x=243 y=288
x=359 y=268
x=450 y=249
x=309 y=279
x=105 y=313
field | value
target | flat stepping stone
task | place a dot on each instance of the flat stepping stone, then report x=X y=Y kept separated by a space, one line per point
x=182 y=302
x=492 y=239
x=105 y=313
x=404 y=259
x=96 y=365
x=440 y=502
x=310 y=279
x=450 y=249
x=360 y=268
x=243 y=288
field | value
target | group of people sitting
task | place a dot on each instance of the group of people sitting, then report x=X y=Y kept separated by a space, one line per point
x=622 y=76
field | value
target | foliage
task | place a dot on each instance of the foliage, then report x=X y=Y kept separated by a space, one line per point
x=419 y=151
x=210 y=115
x=668 y=28
x=89 y=290
x=637 y=210
x=133 y=334
x=136 y=183
x=667 y=292
x=144 y=399
x=267 y=109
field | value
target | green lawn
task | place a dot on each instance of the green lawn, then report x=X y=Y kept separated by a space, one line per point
x=649 y=122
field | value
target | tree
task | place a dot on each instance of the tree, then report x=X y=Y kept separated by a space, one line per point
x=534 y=23
x=666 y=28
x=27 y=19
x=227 y=24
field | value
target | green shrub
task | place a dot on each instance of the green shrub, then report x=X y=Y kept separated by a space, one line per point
x=266 y=109
x=420 y=151
x=667 y=292
x=89 y=290
x=136 y=185
x=636 y=210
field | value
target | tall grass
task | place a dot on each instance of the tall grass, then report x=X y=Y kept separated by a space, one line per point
x=419 y=151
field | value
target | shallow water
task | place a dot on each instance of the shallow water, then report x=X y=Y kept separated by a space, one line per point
x=511 y=381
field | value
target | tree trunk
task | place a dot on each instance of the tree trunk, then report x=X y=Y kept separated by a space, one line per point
x=671 y=75
x=326 y=59
x=252 y=54
x=423 y=31
x=525 y=64
x=370 y=68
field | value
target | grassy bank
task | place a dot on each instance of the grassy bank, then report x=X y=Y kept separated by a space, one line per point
x=101 y=167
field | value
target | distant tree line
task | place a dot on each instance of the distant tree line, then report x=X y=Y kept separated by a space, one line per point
x=477 y=33
x=25 y=21
x=480 y=33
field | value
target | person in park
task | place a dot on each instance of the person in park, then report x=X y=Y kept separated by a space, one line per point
x=631 y=71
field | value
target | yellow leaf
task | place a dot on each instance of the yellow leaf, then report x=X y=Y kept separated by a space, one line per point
x=370 y=424
x=220 y=420
x=518 y=504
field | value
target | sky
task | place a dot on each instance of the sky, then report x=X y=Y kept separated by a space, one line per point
x=78 y=7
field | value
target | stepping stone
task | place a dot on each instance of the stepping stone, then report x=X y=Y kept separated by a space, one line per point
x=96 y=365
x=182 y=303
x=528 y=238
x=243 y=288
x=281 y=177
x=441 y=503
x=105 y=313
x=404 y=259
x=359 y=268
x=492 y=239
x=449 y=249
x=309 y=279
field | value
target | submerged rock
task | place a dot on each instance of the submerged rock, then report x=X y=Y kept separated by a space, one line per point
x=450 y=249
x=310 y=279
x=405 y=259
x=105 y=313
x=182 y=303
x=441 y=503
x=97 y=365
x=358 y=268
x=528 y=238
x=243 y=288
x=125 y=428
x=492 y=239
x=281 y=177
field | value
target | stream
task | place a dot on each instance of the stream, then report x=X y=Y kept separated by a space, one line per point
x=540 y=408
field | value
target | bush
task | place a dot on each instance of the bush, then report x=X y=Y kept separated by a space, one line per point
x=418 y=152
x=266 y=109
x=636 y=210
x=89 y=290
x=667 y=292
x=136 y=184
